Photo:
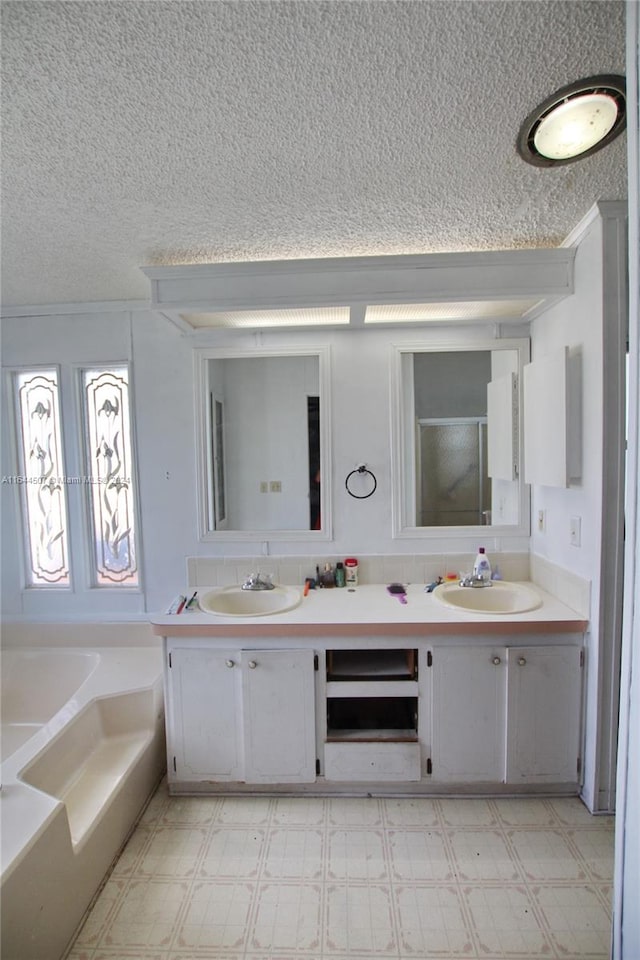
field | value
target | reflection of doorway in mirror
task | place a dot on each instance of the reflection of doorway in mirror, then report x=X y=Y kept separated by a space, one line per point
x=313 y=421
x=219 y=504
x=454 y=489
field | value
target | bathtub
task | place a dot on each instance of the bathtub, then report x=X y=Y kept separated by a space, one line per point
x=82 y=751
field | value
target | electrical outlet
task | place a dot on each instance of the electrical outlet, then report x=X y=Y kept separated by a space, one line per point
x=575 y=531
x=275 y=486
x=542 y=521
x=264 y=486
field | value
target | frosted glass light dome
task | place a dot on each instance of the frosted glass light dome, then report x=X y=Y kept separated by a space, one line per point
x=574 y=122
x=575 y=126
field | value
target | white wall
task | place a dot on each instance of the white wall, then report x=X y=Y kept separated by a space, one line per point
x=162 y=386
x=626 y=918
x=68 y=340
x=582 y=323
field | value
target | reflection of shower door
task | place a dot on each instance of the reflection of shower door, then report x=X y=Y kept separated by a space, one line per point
x=453 y=487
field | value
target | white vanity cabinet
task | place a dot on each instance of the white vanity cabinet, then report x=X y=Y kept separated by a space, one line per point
x=506 y=714
x=544 y=688
x=468 y=713
x=476 y=707
x=240 y=715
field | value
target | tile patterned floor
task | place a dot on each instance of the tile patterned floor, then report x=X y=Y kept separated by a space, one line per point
x=331 y=879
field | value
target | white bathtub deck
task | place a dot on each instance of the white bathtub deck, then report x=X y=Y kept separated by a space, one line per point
x=26 y=808
x=73 y=789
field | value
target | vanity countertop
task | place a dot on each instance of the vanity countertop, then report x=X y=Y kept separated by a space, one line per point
x=369 y=610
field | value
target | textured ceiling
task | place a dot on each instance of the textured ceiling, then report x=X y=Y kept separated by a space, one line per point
x=188 y=132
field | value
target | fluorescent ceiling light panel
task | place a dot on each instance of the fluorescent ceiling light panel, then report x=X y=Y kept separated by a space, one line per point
x=241 y=319
x=439 y=312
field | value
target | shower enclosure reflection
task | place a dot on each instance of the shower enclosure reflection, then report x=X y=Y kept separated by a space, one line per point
x=457 y=439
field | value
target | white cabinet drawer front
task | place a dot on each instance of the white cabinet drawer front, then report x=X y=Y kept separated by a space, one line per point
x=372 y=761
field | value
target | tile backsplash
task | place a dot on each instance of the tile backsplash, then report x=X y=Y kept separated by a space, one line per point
x=372 y=568
x=573 y=590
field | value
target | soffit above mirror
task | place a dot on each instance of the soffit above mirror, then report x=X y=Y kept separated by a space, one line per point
x=499 y=286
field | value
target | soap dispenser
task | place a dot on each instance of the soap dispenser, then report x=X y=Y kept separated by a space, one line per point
x=481 y=566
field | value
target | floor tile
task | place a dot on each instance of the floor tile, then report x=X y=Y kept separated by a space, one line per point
x=482 y=855
x=147 y=917
x=240 y=811
x=299 y=811
x=359 y=921
x=190 y=811
x=419 y=855
x=411 y=813
x=356 y=855
x=432 y=922
x=522 y=812
x=596 y=849
x=474 y=812
x=570 y=811
x=546 y=855
x=132 y=854
x=138 y=954
x=258 y=878
x=355 y=812
x=216 y=917
x=288 y=917
x=294 y=853
x=172 y=852
x=579 y=926
x=233 y=852
x=104 y=907
x=505 y=922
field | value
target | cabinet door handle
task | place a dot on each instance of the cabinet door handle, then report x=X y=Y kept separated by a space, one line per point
x=496 y=661
x=252 y=664
x=521 y=661
x=229 y=663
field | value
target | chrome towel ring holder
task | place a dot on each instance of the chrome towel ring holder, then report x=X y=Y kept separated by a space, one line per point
x=361 y=470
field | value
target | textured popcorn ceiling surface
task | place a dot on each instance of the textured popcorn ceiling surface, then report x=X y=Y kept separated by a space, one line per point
x=188 y=132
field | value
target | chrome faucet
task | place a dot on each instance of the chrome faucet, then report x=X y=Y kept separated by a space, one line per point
x=474 y=581
x=255 y=582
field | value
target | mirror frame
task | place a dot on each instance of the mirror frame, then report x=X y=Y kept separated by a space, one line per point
x=400 y=530
x=202 y=356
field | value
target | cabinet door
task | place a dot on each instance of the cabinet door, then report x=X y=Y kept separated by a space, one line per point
x=468 y=713
x=204 y=728
x=543 y=714
x=279 y=716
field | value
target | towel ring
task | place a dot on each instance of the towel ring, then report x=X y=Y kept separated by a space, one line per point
x=362 y=469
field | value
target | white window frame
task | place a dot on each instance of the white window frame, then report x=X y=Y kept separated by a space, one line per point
x=79 y=599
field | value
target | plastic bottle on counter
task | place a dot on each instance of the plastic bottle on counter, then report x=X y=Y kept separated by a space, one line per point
x=340 y=575
x=481 y=566
x=351 y=572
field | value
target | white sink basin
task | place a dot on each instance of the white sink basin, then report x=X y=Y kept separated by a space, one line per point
x=500 y=597
x=236 y=602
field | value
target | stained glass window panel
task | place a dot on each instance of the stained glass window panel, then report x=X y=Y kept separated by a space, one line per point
x=42 y=479
x=109 y=467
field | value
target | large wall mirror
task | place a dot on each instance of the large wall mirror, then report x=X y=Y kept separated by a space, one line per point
x=263 y=428
x=457 y=439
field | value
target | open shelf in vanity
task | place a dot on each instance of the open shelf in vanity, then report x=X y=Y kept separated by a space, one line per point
x=372 y=714
x=345 y=665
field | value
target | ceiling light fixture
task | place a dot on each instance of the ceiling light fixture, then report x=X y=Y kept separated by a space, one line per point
x=574 y=122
